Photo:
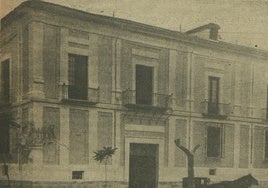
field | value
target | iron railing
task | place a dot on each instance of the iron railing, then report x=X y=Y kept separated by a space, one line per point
x=215 y=109
x=131 y=97
x=91 y=95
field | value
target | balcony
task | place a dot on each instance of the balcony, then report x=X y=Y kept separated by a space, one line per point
x=154 y=102
x=215 y=110
x=87 y=97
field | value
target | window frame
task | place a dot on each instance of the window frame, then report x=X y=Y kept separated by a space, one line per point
x=211 y=93
x=72 y=76
x=9 y=80
x=265 y=145
x=5 y=136
x=144 y=62
x=266 y=109
x=221 y=140
x=7 y=57
x=78 y=175
x=149 y=99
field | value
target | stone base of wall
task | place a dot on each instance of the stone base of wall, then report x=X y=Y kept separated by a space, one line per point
x=58 y=184
x=15 y=184
x=77 y=184
x=170 y=185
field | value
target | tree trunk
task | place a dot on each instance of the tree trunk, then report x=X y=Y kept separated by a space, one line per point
x=106 y=160
x=190 y=164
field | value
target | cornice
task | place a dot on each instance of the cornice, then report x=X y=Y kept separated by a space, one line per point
x=123 y=24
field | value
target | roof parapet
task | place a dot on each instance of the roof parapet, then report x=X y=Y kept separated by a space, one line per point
x=208 y=31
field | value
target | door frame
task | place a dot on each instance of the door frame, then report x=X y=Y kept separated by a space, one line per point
x=155 y=154
x=158 y=141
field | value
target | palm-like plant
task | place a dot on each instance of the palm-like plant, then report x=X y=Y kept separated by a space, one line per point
x=103 y=155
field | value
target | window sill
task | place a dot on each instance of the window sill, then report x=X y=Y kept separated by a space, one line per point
x=213 y=159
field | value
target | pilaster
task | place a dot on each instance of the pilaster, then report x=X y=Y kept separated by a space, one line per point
x=237 y=90
x=236 y=145
x=64 y=136
x=172 y=74
x=171 y=157
x=93 y=61
x=116 y=73
x=190 y=82
x=118 y=136
x=36 y=36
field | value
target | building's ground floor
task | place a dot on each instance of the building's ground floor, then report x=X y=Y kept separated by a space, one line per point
x=146 y=154
x=26 y=180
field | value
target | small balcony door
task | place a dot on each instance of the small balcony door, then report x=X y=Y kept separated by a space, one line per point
x=213 y=95
x=78 y=77
x=144 y=85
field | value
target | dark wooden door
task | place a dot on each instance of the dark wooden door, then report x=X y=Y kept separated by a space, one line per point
x=143 y=166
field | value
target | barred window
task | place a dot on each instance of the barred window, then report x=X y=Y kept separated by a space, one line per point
x=214 y=141
x=77 y=175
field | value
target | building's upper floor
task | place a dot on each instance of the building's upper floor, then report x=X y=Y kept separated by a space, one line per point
x=57 y=54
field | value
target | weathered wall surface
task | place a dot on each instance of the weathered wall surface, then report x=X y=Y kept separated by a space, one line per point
x=39 y=58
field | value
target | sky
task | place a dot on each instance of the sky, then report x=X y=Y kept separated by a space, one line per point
x=243 y=22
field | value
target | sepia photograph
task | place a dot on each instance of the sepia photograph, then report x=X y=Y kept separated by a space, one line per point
x=133 y=93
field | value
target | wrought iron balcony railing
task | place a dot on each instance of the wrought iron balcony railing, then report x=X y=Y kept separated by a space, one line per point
x=132 y=99
x=89 y=96
x=217 y=110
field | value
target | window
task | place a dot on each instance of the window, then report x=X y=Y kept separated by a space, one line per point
x=5 y=87
x=266 y=144
x=214 y=137
x=212 y=172
x=213 y=95
x=4 y=135
x=5 y=169
x=78 y=77
x=77 y=175
x=267 y=102
x=144 y=85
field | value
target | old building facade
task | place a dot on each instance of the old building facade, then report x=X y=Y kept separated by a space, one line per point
x=85 y=81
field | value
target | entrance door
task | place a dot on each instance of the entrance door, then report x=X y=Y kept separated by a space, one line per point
x=143 y=166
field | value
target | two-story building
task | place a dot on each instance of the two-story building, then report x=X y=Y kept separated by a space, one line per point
x=75 y=82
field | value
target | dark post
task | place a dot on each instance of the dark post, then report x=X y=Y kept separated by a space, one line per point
x=190 y=165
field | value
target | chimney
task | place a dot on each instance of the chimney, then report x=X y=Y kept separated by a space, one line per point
x=208 y=31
